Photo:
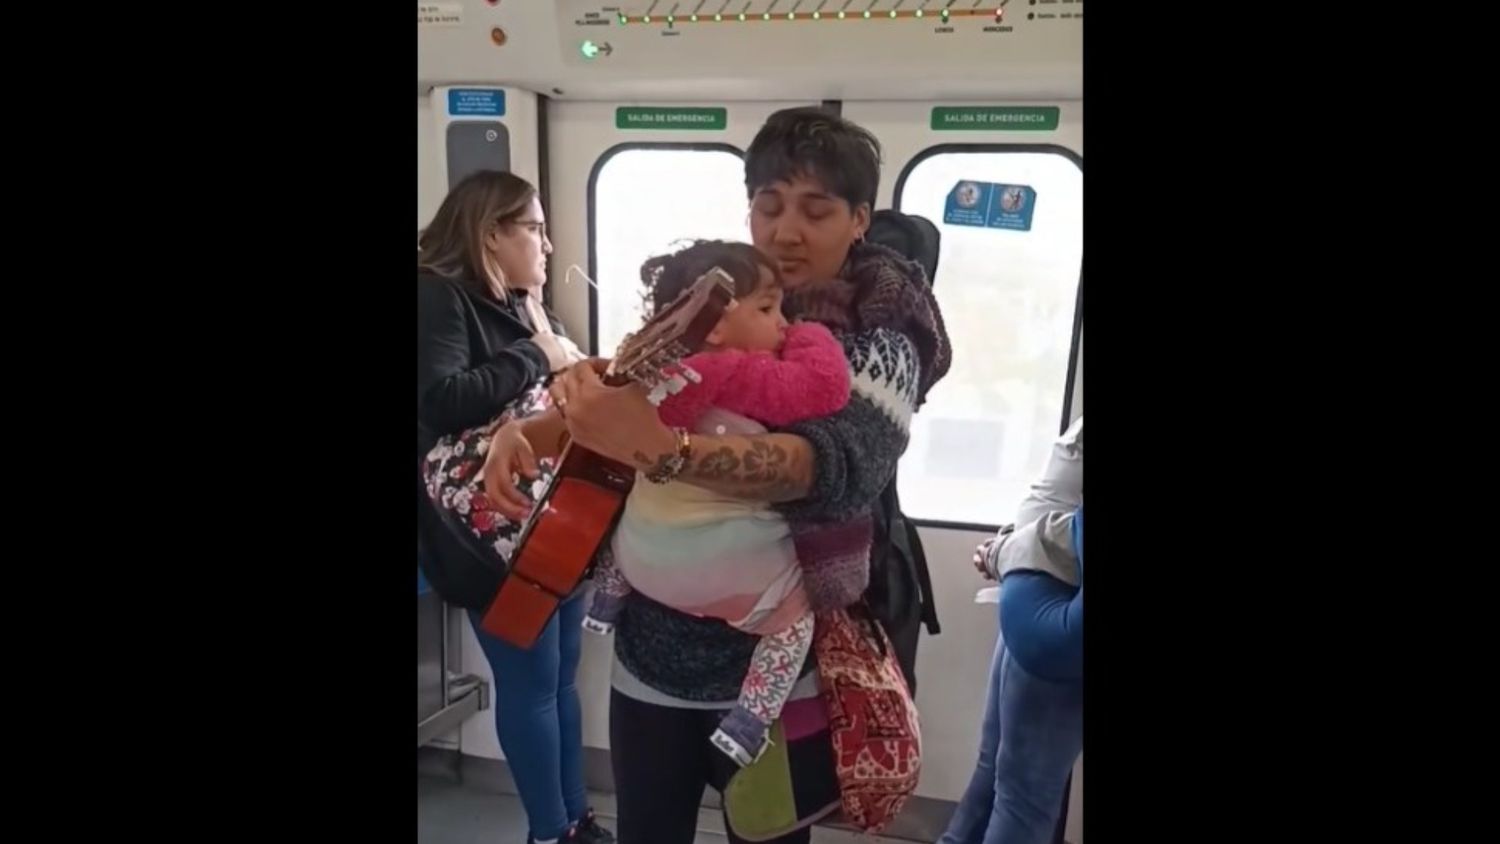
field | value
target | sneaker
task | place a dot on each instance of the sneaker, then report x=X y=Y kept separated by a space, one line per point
x=734 y=750
x=740 y=736
x=570 y=837
x=590 y=832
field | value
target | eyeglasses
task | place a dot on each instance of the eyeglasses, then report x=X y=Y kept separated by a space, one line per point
x=534 y=226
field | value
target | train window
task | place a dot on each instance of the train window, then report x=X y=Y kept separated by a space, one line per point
x=1009 y=299
x=646 y=199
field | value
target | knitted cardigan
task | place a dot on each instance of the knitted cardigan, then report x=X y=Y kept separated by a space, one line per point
x=883 y=311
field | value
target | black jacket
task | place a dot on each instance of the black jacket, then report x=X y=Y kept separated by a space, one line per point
x=474 y=356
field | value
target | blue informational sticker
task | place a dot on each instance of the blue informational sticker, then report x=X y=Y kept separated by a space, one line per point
x=476 y=102
x=991 y=206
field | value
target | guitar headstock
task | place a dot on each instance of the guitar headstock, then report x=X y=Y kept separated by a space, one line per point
x=675 y=332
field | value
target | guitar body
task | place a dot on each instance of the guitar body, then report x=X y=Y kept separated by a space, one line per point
x=553 y=555
x=579 y=510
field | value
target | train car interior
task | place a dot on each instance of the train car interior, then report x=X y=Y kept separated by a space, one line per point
x=633 y=118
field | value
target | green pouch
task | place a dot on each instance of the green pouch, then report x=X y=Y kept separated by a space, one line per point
x=758 y=800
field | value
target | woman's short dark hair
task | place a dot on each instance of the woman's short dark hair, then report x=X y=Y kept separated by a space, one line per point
x=810 y=142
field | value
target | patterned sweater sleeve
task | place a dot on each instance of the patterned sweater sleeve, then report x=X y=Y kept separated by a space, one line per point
x=856 y=450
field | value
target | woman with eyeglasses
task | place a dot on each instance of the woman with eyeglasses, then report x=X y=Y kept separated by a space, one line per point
x=485 y=340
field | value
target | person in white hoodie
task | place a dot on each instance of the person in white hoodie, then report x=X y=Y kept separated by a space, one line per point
x=1033 y=723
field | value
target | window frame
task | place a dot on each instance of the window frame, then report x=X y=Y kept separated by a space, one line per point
x=592 y=208
x=1070 y=383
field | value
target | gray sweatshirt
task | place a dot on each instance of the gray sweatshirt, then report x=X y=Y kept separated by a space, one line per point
x=1042 y=537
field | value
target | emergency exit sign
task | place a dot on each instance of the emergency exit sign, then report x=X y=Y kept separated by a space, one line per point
x=995 y=118
x=703 y=119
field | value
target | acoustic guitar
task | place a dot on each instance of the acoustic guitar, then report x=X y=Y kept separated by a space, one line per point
x=571 y=519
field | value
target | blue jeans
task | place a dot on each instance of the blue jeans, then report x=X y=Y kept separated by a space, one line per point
x=1032 y=735
x=539 y=719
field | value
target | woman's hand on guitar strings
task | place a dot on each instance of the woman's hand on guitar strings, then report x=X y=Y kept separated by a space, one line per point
x=616 y=422
x=510 y=454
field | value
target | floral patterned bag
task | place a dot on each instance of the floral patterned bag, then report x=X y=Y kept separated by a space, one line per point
x=452 y=473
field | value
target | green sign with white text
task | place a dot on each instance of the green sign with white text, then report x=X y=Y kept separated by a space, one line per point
x=703 y=119
x=995 y=118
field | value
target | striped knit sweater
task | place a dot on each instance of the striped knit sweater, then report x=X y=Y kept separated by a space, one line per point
x=884 y=314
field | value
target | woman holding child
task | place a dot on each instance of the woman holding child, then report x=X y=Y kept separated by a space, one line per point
x=811 y=179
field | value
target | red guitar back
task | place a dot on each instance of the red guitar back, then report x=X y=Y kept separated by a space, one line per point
x=573 y=518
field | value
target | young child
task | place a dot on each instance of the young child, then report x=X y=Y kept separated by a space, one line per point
x=712 y=555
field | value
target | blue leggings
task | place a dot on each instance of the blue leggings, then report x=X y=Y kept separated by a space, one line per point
x=540 y=721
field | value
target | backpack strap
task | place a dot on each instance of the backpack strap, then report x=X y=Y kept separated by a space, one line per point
x=918 y=560
x=910 y=235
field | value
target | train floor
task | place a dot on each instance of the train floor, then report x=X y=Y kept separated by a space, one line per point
x=451 y=812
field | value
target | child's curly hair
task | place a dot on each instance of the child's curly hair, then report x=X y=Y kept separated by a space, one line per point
x=666 y=276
